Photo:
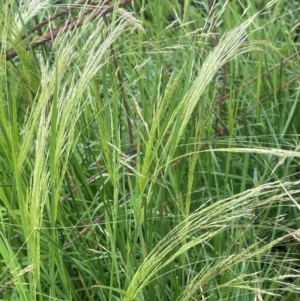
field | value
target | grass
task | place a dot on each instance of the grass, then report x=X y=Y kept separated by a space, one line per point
x=149 y=151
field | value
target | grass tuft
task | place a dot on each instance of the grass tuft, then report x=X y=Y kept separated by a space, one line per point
x=149 y=150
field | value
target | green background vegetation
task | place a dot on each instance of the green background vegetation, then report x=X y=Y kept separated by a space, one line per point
x=151 y=154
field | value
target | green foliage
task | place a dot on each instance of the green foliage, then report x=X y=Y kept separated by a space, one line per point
x=151 y=154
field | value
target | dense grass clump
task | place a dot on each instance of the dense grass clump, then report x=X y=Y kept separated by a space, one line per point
x=149 y=150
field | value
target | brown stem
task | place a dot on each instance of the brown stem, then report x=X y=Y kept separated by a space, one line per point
x=68 y=26
x=221 y=99
x=263 y=100
x=61 y=13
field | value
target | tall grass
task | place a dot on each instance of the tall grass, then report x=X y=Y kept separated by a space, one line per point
x=151 y=153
